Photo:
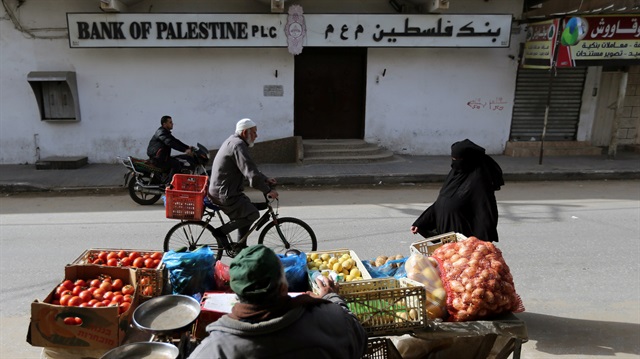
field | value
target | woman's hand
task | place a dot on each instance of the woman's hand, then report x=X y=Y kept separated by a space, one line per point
x=414 y=229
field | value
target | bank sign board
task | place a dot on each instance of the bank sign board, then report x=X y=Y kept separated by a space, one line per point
x=592 y=40
x=279 y=30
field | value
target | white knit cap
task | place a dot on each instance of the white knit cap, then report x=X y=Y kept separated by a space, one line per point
x=244 y=124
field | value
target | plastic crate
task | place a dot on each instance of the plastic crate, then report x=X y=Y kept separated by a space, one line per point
x=185 y=197
x=386 y=305
x=429 y=245
x=150 y=281
x=381 y=348
x=338 y=253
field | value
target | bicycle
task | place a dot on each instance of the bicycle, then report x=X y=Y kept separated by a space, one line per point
x=280 y=234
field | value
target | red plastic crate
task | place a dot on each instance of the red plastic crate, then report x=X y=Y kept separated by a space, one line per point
x=185 y=197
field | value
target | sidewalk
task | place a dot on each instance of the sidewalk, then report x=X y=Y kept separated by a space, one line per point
x=403 y=169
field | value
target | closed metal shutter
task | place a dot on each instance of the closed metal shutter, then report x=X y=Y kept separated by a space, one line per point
x=530 y=102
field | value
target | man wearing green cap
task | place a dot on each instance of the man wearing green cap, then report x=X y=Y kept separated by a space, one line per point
x=268 y=323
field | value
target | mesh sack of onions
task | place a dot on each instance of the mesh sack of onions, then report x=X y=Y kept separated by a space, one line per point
x=477 y=280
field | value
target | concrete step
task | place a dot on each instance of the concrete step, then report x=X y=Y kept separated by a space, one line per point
x=343 y=151
x=552 y=148
x=61 y=163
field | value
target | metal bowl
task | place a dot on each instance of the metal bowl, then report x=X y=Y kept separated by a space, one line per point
x=142 y=350
x=166 y=313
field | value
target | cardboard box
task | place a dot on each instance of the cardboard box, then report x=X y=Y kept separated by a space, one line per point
x=101 y=328
x=150 y=280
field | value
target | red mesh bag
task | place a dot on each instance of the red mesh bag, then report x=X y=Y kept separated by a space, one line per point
x=477 y=280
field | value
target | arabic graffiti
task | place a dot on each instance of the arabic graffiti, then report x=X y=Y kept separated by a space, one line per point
x=496 y=104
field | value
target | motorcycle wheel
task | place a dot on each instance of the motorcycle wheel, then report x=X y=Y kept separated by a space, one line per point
x=139 y=197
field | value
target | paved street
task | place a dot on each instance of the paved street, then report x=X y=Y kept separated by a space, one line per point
x=572 y=248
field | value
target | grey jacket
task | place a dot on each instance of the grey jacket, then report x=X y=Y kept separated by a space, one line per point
x=327 y=330
x=231 y=166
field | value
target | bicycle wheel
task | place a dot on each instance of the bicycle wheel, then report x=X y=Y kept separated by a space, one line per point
x=297 y=233
x=191 y=234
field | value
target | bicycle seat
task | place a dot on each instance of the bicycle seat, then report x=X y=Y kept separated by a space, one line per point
x=209 y=204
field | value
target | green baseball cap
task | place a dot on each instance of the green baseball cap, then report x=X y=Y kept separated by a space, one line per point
x=255 y=272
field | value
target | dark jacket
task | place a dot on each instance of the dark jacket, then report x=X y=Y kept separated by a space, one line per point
x=160 y=145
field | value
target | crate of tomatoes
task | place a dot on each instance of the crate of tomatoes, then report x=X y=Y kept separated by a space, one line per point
x=149 y=269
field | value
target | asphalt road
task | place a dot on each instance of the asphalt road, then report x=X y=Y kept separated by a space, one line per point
x=572 y=248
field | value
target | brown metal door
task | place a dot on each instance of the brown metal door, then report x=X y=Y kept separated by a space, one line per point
x=329 y=94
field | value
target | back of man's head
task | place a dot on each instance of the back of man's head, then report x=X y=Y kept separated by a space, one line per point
x=256 y=274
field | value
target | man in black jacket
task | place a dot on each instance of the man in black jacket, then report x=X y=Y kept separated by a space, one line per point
x=160 y=145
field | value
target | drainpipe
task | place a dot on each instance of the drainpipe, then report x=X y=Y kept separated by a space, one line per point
x=622 y=93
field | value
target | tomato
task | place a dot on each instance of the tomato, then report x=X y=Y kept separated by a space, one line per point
x=61 y=290
x=76 y=290
x=122 y=254
x=118 y=298
x=106 y=302
x=105 y=278
x=123 y=307
x=98 y=294
x=95 y=283
x=112 y=255
x=92 y=289
x=128 y=289
x=98 y=262
x=127 y=298
x=98 y=304
x=125 y=262
x=80 y=282
x=103 y=256
x=68 y=284
x=138 y=262
x=133 y=255
x=93 y=301
x=64 y=300
x=147 y=291
x=113 y=262
x=117 y=284
x=84 y=305
x=108 y=295
x=69 y=321
x=156 y=255
x=106 y=286
x=74 y=301
x=148 y=263
x=156 y=263
x=85 y=295
x=146 y=256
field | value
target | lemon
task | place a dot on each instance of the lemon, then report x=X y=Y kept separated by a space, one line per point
x=355 y=272
x=348 y=278
x=337 y=267
x=313 y=256
x=323 y=267
x=333 y=260
x=325 y=256
x=348 y=263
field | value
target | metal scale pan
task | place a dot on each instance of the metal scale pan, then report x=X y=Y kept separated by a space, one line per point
x=166 y=314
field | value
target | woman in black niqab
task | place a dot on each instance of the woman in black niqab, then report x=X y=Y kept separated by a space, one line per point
x=467 y=202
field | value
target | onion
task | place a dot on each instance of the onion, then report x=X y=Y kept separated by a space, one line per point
x=461 y=262
x=458 y=304
x=469 y=271
x=456 y=286
x=478 y=293
x=488 y=296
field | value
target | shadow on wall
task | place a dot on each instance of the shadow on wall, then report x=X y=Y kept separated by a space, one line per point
x=283 y=150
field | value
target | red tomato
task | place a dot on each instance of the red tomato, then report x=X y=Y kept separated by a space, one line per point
x=127 y=298
x=92 y=289
x=80 y=282
x=133 y=255
x=69 y=321
x=74 y=301
x=98 y=294
x=95 y=283
x=103 y=255
x=60 y=290
x=106 y=286
x=84 y=305
x=147 y=291
x=108 y=295
x=98 y=262
x=78 y=320
x=128 y=289
x=123 y=307
x=64 y=300
x=146 y=256
x=106 y=279
x=112 y=255
x=93 y=301
x=156 y=263
x=98 y=304
x=85 y=295
x=144 y=281
x=125 y=262
x=156 y=255
x=138 y=262
x=117 y=284
x=68 y=284
x=76 y=290
x=122 y=254
x=113 y=262
x=118 y=298
x=106 y=302
x=148 y=263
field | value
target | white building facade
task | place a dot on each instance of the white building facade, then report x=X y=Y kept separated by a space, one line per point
x=427 y=81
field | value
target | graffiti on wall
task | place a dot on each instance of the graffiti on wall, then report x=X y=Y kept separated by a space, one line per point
x=495 y=104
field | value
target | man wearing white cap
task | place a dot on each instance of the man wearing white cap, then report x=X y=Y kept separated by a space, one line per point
x=232 y=164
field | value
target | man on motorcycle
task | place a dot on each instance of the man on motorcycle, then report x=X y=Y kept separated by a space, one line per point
x=160 y=145
x=232 y=164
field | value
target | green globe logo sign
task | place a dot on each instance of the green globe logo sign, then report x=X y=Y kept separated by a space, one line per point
x=574 y=31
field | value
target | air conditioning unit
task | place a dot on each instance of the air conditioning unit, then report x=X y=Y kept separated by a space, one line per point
x=112 y=6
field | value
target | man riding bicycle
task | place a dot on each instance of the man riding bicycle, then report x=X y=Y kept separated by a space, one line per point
x=232 y=164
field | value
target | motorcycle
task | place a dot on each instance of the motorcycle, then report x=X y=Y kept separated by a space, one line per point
x=147 y=182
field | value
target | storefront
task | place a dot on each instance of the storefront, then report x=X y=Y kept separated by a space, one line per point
x=81 y=81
